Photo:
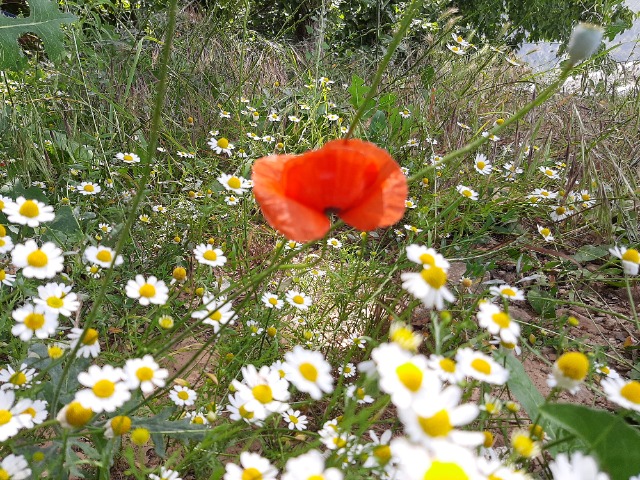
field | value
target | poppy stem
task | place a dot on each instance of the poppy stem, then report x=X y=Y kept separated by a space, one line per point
x=395 y=41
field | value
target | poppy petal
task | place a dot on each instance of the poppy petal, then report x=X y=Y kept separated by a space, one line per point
x=291 y=218
x=355 y=179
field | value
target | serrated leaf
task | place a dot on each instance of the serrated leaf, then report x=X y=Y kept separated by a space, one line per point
x=609 y=438
x=45 y=20
x=589 y=253
x=542 y=302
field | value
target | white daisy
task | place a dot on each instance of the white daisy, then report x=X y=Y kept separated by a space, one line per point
x=299 y=300
x=625 y=393
x=183 y=396
x=429 y=286
x=58 y=298
x=234 y=183
x=508 y=292
x=576 y=467
x=308 y=371
x=128 y=157
x=144 y=373
x=467 y=192
x=17 y=379
x=147 y=291
x=28 y=212
x=88 y=188
x=482 y=165
x=481 y=367
x=34 y=411
x=208 y=255
x=105 y=390
x=34 y=320
x=310 y=465
x=253 y=467
x=216 y=312
x=294 y=420
x=6 y=244
x=630 y=259
x=37 y=262
x=14 y=467
x=90 y=342
x=102 y=256
x=221 y=145
x=498 y=322
x=271 y=300
x=546 y=233
x=263 y=391
x=427 y=257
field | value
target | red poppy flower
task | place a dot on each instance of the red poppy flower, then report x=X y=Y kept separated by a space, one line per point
x=356 y=180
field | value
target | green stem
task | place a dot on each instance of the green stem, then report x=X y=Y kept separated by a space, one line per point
x=144 y=178
x=397 y=38
x=632 y=303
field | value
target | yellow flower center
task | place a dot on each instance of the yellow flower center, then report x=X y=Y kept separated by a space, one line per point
x=509 y=292
x=120 y=424
x=2 y=242
x=37 y=259
x=104 y=388
x=94 y=269
x=467 y=193
x=182 y=395
x=586 y=197
x=410 y=376
x=560 y=210
x=309 y=372
x=104 y=255
x=29 y=209
x=88 y=188
x=481 y=164
x=502 y=319
x=404 y=337
x=179 y=273
x=144 y=374
x=545 y=232
x=549 y=172
x=147 y=290
x=262 y=393
x=574 y=365
x=382 y=454
x=427 y=259
x=251 y=474
x=445 y=471
x=127 y=157
x=244 y=413
x=34 y=321
x=631 y=255
x=234 y=182
x=293 y=419
x=209 y=255
x=198 y=420
x=55 y=302
x=435 y=276
x=481 y=366
x=30 y=411
x=448 y=365
x=436 y=426
x=298 y=299
x=140 y=436
x=77 y=415
x=3 y=274
x=55 y=352
x=523 y=445
x=223 y=143
x=360 y=393
x=5 y=417
x=90 y=337
x=631 y=391
x=216 y=316
x=316 y=477
x=18 y=378
x=273 y=301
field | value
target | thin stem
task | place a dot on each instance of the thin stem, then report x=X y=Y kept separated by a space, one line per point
x=144 y=178
x=397 y=38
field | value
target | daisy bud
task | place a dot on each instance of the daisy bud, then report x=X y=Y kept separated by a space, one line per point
x=585 y=40
x=140 y=436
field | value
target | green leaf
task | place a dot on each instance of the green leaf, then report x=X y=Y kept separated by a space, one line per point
x=589 y=253
x=45 y=20
x=613 y=442
x=542 y=303
x=358 y=91
x=523 y=388
x=378 y=124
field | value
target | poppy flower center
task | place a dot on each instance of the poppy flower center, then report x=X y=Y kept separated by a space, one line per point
x=29 y=209
x=37 y=259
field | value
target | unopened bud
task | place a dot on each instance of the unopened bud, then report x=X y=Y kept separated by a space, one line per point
x=585 y=40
